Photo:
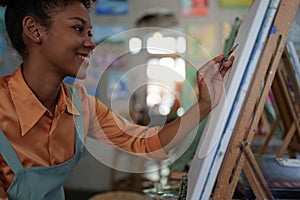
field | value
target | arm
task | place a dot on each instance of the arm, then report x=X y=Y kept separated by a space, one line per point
x=210 y=85
x=114 y=130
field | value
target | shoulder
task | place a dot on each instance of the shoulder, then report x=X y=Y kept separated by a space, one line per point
x=74 y=92
x=88 y=101
x=78 y=88
x=7 y=107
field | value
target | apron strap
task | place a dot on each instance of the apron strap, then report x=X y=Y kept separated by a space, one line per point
x=9 y=154
x=79 y=120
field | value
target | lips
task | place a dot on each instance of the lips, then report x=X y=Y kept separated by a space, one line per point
x=84 y=58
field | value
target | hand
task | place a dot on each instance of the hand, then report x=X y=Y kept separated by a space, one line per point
x=210 y=80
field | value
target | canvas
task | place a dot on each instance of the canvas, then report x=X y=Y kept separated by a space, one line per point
x=214 y=142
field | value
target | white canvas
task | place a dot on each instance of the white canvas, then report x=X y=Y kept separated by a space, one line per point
x=203 y=173
x=253 y=61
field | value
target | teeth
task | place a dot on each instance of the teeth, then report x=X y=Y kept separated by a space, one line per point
x=81 y=57
x=86 y=59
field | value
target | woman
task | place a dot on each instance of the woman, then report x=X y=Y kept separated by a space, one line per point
x=39 y=144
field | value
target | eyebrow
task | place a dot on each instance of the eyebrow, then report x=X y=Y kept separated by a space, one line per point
x=80 y=19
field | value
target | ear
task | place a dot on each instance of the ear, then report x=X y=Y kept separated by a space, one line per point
x=32 y=29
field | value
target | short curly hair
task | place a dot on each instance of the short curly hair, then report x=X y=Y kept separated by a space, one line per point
x=16 y=10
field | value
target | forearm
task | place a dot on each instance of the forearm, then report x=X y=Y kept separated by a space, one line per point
x=174 y=132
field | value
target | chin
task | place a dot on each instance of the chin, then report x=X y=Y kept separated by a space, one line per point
x=81 y=73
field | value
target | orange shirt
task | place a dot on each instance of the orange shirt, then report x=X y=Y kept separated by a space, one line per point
x=41 y=139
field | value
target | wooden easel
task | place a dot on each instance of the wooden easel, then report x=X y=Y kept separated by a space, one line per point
x=287 y=106
x=239 y=155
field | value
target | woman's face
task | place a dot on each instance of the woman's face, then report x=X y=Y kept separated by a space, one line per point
x=68 y=43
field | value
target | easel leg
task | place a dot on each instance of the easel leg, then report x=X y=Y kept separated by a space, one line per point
x=255 y=177
x=269 y=137
x=286 y=141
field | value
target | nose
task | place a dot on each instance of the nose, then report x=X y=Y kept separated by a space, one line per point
x=88 y=42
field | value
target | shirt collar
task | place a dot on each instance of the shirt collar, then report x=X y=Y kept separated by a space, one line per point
x=65 y=97
x=28 y=108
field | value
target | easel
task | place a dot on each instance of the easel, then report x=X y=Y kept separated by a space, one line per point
x=286 y=106
x=239 y=155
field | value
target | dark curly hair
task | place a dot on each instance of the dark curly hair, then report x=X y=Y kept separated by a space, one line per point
x=16 y=10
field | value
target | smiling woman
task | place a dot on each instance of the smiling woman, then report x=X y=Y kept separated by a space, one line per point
x=47 y=34
x=44 y=122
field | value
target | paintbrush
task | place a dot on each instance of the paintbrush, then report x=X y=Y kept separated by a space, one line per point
x=226 y=57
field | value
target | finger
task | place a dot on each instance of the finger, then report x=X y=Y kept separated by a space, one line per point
x=207 y=66
x=228 y=63
x=210 y=64
x=212 y=73
x=205 y=73
x=219 y=58
x=224 y=71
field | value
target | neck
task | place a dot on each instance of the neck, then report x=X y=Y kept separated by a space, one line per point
x=44 y=84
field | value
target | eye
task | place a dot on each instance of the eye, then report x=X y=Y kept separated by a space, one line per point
x=81 y=29
x=78 y=29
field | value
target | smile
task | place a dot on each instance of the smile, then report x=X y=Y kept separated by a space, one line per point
x=84 y=58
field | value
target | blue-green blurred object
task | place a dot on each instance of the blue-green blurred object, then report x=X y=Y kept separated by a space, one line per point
x=230 y=40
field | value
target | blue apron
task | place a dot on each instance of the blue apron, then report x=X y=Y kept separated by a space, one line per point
x=43 y=182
